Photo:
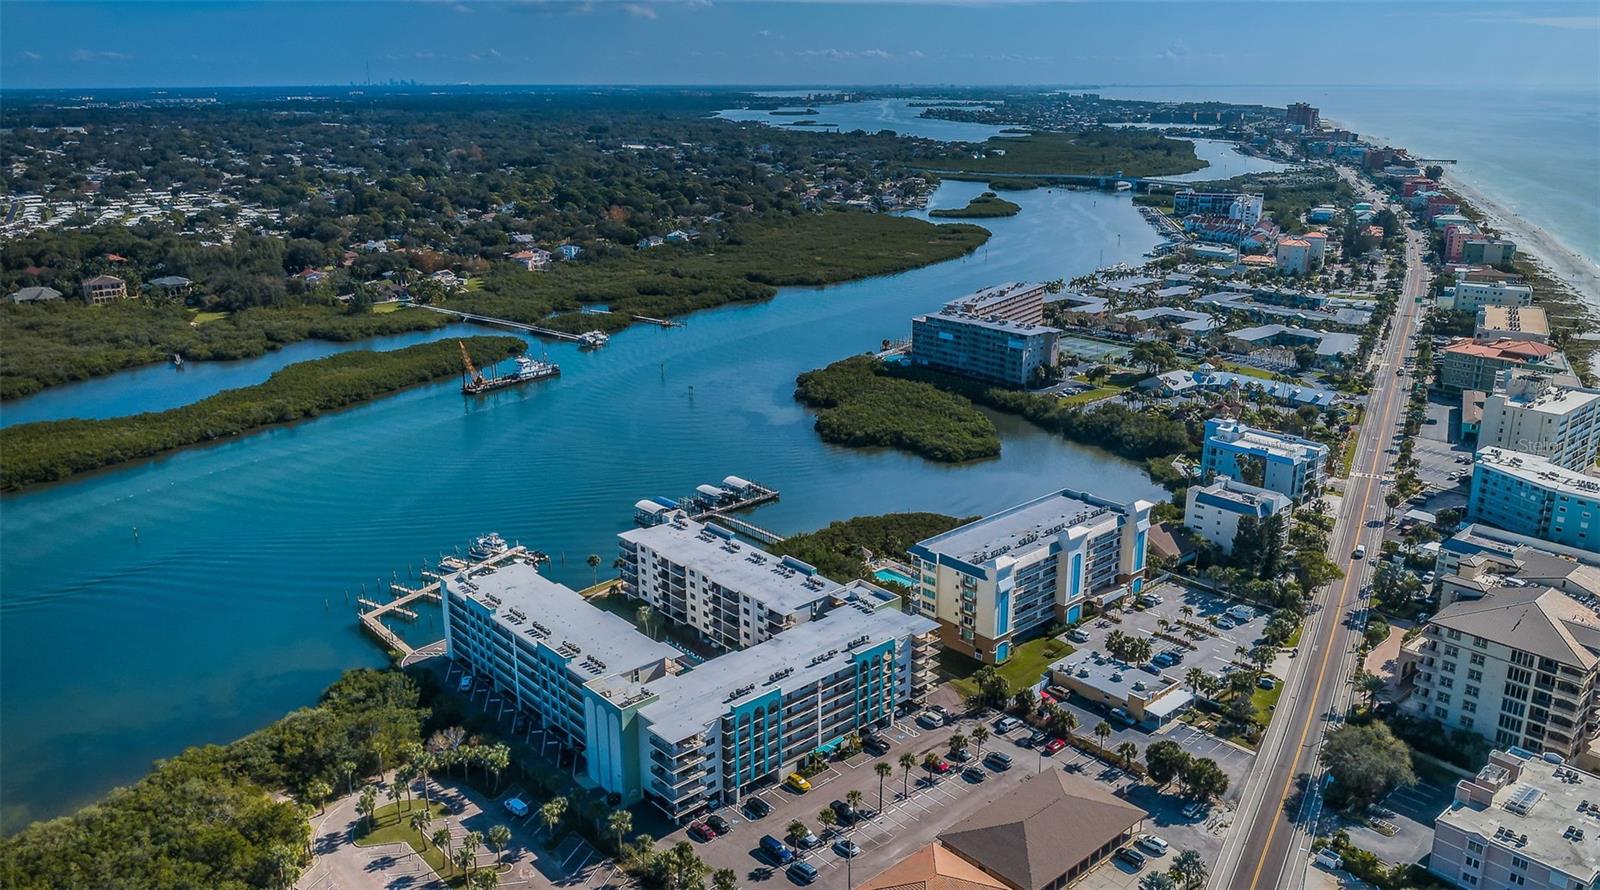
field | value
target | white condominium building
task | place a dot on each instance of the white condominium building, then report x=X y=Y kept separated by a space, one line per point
x=1529 y=413
x=700 y=575
x=1523 y=822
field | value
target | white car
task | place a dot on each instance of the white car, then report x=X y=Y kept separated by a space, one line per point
x=1153 y=845
x=930 y=720
x=466 y=683
x=1361 y=551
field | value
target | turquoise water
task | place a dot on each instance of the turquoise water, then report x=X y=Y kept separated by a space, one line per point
x=227 y=608
x=895 y=577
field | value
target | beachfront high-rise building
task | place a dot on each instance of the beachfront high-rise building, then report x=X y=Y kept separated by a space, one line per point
x=1529 y=413
x=1470 y=296
x=1530 y=495
x=1512 y=323
x=1283 y=463
x=701 y=576
x=1302 y=115
x=1473 y=364
x=644 y=721
x=995 y=581
x=1241 y=208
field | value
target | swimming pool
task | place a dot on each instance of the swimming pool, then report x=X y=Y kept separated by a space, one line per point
x=894 y=577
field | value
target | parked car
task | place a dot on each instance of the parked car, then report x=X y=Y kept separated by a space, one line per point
x=962 y=756
x=847 y=848
x=1054 y=746
x=1132 y=857
x=718 y=824
x=974 y=773
x=1035 y=739
x=776 y=850
x=875 y=745
x=802 y=872
x=1153 y=845
x=1078 y=635
x=845 y=812
x=942 y=711
x=1194 y=810
x=999 y=760
x=516 y=806
x=930 y=720
x=1266 y=683
x=700 y=831
x=1061 y=693
x=466 y=683
x=808 y=841
x=1006 y=724
x=1121 y=716
x=942 y=766
x=797 y=782
x=756 y=808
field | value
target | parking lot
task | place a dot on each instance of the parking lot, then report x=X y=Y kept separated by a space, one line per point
x=1410 y=811
x=909 y=821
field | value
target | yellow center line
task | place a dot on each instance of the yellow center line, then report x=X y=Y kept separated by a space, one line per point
x=1327 y=649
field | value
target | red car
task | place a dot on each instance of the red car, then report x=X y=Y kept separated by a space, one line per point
x=700 y=831
x=1046 y=697
x=1053 y=746
x=942 y=767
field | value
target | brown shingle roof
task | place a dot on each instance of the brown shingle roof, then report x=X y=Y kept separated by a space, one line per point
x=1034 y=835
x=1542 y=621
x=933 y=867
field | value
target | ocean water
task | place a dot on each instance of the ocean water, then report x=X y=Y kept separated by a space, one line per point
x=198 y=596
x=1534 y=150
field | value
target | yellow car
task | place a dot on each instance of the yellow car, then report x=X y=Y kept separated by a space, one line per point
x=797 y=782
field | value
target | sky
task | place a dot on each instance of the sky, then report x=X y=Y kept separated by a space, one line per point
x=62 y=43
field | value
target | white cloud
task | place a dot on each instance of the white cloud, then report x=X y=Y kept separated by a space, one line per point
x=31 y=56
x=639 y=10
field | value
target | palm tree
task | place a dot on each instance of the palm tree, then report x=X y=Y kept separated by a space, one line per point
x=930 y=761
x=497 y=758
x=348 y=770
x=797 y=830
x=907 y=762
x=1127 y=751
x=403 y=774
x=286 y=862
x=619 y=823
x=686 y=867
x=724 y=879
x=318 y=792
x=828 y=818
x=462 y=861
x=854 y=799
x=469 y=846
x=485 y=880
x=499 y=839
x=550 y=814
x=368 y=804
x=420 y=820
x=884 y=771
x=393 y=793
x=442 y=839
x=594 y=566
x=980 y=734
x=1101 y=731
x=1195 y=678
x=643 y=618
x=958 y=742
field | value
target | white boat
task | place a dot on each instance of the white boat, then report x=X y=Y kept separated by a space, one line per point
x=593 y=339
x=487 y=547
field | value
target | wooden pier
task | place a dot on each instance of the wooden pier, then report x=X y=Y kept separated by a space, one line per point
x=664 y=322
x=373 y=613
x=508 y=323
x=749 y=529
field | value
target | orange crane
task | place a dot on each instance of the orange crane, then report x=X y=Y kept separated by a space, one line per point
x=472 y=370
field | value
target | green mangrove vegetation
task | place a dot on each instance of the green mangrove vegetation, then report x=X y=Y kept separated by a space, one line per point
x=53 y=343
x=56 y=449
x=213 y=816
x=750 y=263
x=1092 y=152
x=836 y=549
x=984 y=206
x=859 y=404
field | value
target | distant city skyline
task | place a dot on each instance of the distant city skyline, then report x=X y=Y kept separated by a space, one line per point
x=569 y=42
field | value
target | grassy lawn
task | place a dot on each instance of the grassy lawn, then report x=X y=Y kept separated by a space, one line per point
x=1347 y=454
x=1246 y=370
x=1093 y=395
x=208 y=317
x=1027 y=663
x=392 y=824
x=386 y=308
x=1264 y=700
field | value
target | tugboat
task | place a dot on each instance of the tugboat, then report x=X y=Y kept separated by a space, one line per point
x=487 y=547
x=527 y=369
x=593 y=339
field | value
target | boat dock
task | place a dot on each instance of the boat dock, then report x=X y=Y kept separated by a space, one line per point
x=664 y=322
x=372 y=613
x=715 y=502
